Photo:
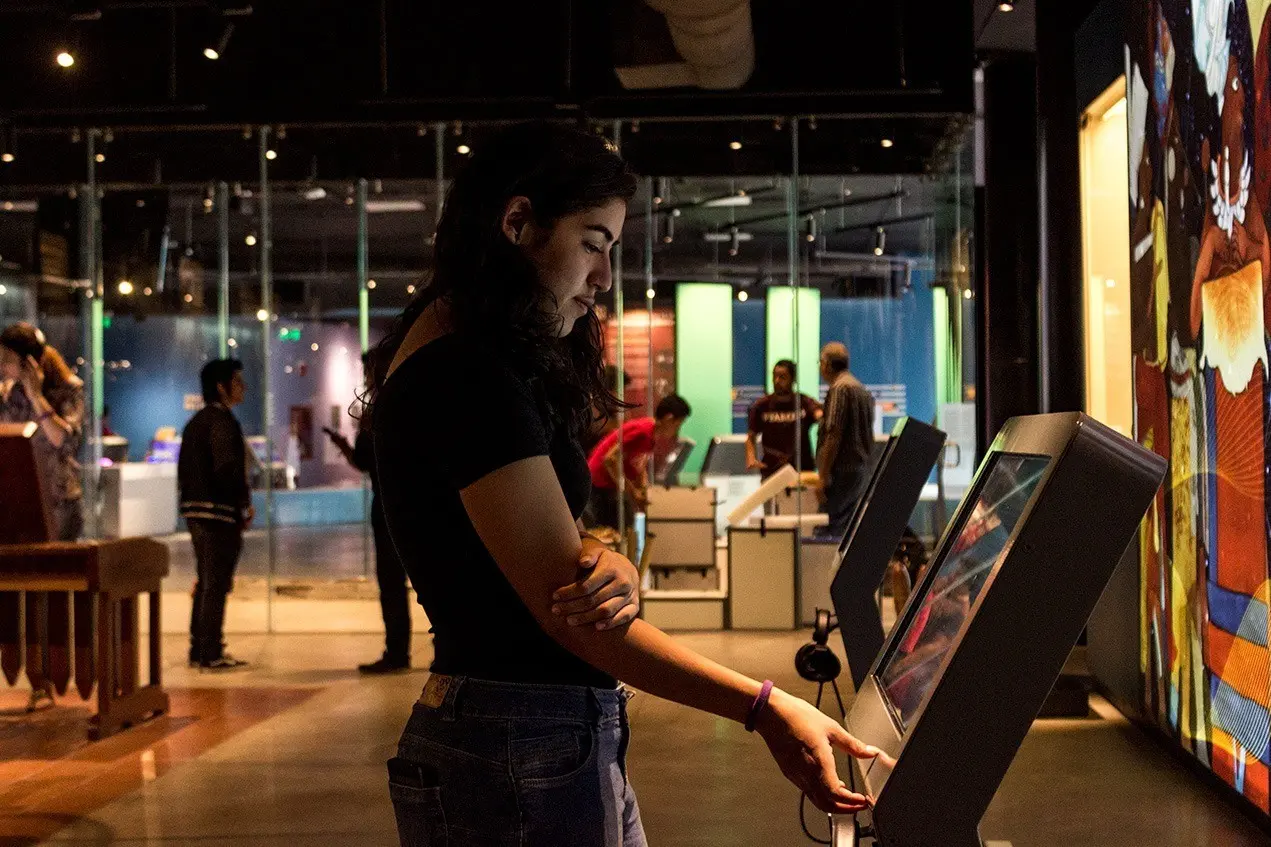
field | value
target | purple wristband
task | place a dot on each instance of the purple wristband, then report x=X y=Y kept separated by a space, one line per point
x=756 y=708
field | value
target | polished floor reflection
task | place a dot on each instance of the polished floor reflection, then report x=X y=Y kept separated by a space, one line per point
x=291 y=751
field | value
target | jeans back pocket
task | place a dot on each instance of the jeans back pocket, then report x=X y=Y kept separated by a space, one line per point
x=421 y=821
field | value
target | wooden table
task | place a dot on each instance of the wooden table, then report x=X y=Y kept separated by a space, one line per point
x=70 y=610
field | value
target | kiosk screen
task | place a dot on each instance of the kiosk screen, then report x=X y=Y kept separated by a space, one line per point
x=934 y=621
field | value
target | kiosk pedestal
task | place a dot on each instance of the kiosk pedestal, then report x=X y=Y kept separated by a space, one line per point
x=987 y=630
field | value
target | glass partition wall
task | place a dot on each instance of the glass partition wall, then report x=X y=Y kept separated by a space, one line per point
x=784 y=239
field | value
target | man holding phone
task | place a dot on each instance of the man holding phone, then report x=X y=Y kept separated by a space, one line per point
x=389 y=573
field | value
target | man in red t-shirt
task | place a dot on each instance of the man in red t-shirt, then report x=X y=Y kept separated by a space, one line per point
x=640 y=438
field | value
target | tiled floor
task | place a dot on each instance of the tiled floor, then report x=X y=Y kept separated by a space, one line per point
x=313 y=774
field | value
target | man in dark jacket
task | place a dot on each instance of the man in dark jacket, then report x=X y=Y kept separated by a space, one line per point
x=216 y=504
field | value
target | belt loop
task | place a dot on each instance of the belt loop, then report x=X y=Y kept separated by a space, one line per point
x=447 y=707
x=596 y=706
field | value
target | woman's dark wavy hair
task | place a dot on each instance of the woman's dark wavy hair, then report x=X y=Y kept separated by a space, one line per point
x=489 y=285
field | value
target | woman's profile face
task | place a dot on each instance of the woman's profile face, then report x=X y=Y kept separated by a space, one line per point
x=572 y=258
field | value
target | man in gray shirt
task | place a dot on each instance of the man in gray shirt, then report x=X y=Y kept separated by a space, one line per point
x=847 y=438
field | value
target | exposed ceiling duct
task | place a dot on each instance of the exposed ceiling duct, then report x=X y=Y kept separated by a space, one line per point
x=711 y=46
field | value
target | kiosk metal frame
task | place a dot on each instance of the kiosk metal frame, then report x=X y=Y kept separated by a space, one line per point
x=871 y=538
x=949 y=742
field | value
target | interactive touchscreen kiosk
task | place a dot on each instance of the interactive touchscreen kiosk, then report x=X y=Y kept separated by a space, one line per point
x=961 y=676
x=872 y=536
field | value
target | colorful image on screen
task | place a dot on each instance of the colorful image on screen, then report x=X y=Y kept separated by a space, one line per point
x=917 y=654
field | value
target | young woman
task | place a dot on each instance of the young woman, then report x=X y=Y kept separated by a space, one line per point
x=37 y=385
x=520 y=734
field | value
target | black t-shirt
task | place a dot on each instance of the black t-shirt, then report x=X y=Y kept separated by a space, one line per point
x=448 y=416
x=772 y=417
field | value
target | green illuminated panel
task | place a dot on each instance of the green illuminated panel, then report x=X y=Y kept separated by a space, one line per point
x=704 y=363
x=781 y=321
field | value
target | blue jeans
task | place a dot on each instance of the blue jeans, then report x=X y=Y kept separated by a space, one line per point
x=497 y=763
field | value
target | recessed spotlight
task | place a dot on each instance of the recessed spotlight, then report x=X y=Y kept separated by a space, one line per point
x=207 y=203
x=231 y=342
x=887 y=142
x=967 y=295
x=65 y=59
x=463 y=149
x=650 y=293
x=370 y=283
x=8 y=158
x=271 y=154
x=734 y=145
x=3 y=291
x=189 y=298
x=212 y=52
x=742 y=296
x=147 y=291
x=100 y=157
x=410 y=289
x=125 y=287
x=250 y=240
x=314 y=347
x=8 y=205
x=262 y=315
x=1006 y=6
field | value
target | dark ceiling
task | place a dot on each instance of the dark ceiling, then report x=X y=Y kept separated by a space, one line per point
x=364 y=90
x=362 y=76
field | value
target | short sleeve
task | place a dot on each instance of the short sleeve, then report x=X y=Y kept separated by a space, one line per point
x=637 y=436
x=756 y=417
x=459 y=413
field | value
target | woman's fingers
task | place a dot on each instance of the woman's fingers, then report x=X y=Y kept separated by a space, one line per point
x=591 y=601
x=853 y=746
x=629 y=612
x=595 y=580
x=603 y=612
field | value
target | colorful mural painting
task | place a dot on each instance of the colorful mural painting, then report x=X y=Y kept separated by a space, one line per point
x=1199 y=108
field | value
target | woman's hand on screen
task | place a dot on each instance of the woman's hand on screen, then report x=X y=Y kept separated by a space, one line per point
x=802 y=739
x=607 y=593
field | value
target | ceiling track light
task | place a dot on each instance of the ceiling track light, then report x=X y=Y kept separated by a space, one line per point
x=214 y=51
x=84 y=11
x=8 y=145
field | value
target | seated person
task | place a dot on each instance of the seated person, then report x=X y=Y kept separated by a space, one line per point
x=640 y=438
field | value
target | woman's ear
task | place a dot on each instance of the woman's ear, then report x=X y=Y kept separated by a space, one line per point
x=517 y=215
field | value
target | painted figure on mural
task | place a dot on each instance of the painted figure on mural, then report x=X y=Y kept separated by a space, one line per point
x=1199 y=98
x=1228 y=317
